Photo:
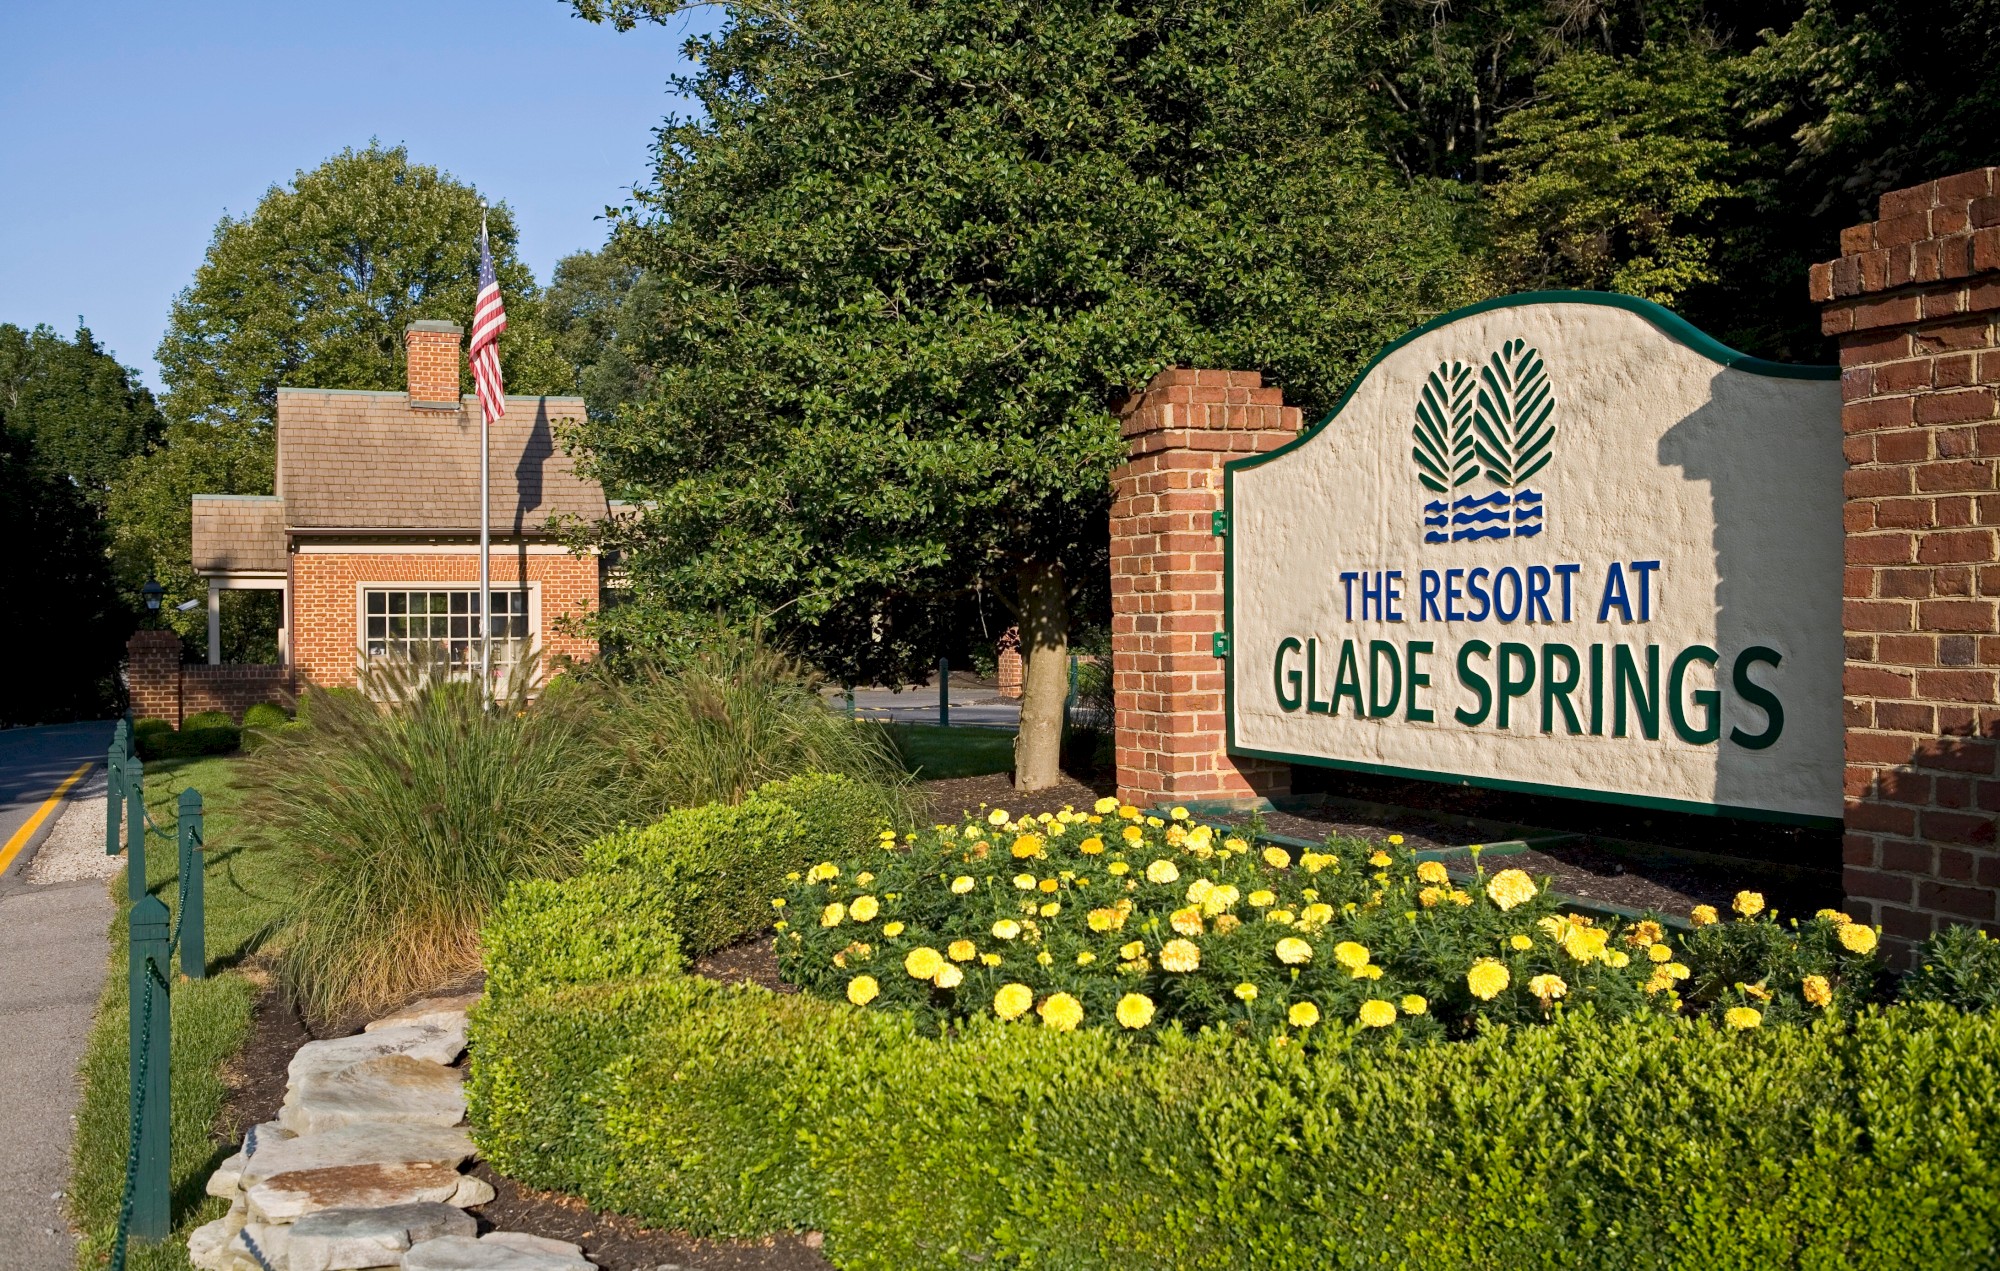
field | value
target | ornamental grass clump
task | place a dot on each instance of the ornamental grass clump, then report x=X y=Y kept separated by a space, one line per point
x=1118 y=919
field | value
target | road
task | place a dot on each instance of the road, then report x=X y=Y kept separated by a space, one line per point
x=970 y=707
x=52 y=966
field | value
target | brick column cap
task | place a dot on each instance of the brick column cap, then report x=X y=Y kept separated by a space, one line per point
x=1940 y=232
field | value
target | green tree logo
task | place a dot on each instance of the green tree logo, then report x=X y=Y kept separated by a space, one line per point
x=1511 y=419
x=1496 y=419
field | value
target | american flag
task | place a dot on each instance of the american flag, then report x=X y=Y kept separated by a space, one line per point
x=489 y=319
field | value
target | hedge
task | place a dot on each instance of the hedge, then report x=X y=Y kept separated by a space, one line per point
x=204 y=733
x=1646 y=1142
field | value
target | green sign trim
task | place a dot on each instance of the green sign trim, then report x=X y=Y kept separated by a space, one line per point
x=1671 y=325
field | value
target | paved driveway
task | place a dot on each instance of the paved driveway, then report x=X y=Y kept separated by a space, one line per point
x=52 y=965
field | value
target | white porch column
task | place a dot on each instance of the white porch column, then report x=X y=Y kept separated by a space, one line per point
x=214 y=623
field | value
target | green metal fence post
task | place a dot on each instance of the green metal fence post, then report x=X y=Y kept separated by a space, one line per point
x=194 y=957
x=149 y=931
x=135 y=828
x=944 y=692
x=1069 y=702
x=114 y=790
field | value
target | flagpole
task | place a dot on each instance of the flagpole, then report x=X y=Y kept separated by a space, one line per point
x=485 y=537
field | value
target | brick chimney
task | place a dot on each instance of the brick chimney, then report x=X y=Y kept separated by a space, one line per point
x=433 y=355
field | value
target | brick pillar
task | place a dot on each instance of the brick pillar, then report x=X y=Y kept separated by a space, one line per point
x=1007 y=662
x=1913 y=300
x=153 y=675
x=1166 y=583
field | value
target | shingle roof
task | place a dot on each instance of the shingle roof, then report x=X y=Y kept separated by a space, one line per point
x=367 y=461
x=238 y=533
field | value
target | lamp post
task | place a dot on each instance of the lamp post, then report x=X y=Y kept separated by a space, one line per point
x=152 y=591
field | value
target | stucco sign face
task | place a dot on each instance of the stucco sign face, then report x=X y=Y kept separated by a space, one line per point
x=1562 y=543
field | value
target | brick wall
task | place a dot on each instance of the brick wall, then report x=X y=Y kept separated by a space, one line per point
x=432 y=351
x=1913 y=300
x=1166 y=583
x=152 y=675
x=324 y=600
x=161 y=686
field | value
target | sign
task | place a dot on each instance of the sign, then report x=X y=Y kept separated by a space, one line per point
x=1561 y=543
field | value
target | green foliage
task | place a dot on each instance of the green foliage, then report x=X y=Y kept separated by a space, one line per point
x=208 y=719
x=1647 y=1142
x=735 y=715
x=1959 y=966
x=582 y=930
x=313 y=288
x=1443 y=431
x=911 y=258
x=83 y=412
x=266 y=715
x=405 y=825
x=203 y=733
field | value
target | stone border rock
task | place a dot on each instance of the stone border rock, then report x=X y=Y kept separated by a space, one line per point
x=363 y=1167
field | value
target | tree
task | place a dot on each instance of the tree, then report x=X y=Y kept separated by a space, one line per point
x=913 y=256
x=601 y=306
x=83 y=415
x=313 y=289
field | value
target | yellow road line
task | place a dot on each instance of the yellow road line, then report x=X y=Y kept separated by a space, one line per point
x=27 y=831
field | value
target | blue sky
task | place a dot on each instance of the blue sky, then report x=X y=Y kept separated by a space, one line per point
x=128 y=128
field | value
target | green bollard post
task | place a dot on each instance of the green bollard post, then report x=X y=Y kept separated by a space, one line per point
x=850 y=703
x=135 y=828
x=194 y=956
x=114 y=790
x=944 y=692
x=149 y=929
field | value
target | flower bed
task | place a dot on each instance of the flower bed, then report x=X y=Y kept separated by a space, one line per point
x=1121 y=919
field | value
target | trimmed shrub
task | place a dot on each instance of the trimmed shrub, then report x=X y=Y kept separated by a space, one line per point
x=266 y=715
x=583 y=930
x=207 y=719
x=1646 y=1142
x=203 y=733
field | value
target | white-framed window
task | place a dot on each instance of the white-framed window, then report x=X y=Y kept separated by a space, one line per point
x=442 y=623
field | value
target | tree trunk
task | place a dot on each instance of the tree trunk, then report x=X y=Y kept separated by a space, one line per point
x=1044 y=679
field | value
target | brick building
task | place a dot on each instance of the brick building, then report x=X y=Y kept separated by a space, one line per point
x=372 y=534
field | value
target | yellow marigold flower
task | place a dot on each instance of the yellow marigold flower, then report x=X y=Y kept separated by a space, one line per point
x=777 y=902
x=1277 y=858
x=1180 y=955
x=1283 y=917
x=1660 y=952
x=1226 y=923
x=793 y=877
x=1132 y=950
x=1350 y=954
x=1178 y=813
x=1834 y=916
x=962 y=884
x=1303 y=1015
x=1376 y=1013
x=962 y=951
x=1091 y=846
x=1585 y=944
x=1618 y=959
x=1132 y=833
x=1432 y=872
x=1548 y=988
x=1135 y=1010
x=822 y=871
x=1316 y=915
x=1486 y=978
x=1198 y=890
x=1220 y=900
x=1293 y=951
x=1522 y=943
x=1263 y=899
x=862 y=989
x=1748 y=903
x=832 y=915
x=1703 y=915
x=1105 y=805
x=1856 y=938
x=1026 y=845
x=781 y=925
x=1676 y=971
x=1013 y=1001
x=989 y=959
x=1510 y=887
x=1061 y=1012
x=1051 y=909
x=922 y=962
x=1396 y=840
x=1085 y=958
x=1817 y=990
x=948 y=977
x=1026 y=882
x=863 y=878
x=1380 y=860
x=1414 y=1004
x=1105 y=919
x=1155 y=822
x=1050 y=884
x=1117 y=868
x=1245 y=992
x=1369 y=972
x=1129 y=812
x=1176 y=835
x=1646 y=932
x=997 y=816
x=892 y=929
x=1430 y=896
x=1162 y=872
x=1460 y=898
x=864 y=909
x=1006 y=929
x=1233 y=844
x=1186 y=921
x=1742 y=1017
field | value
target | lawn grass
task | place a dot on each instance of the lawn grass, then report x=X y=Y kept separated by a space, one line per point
x=934 y=753
x=244 y=894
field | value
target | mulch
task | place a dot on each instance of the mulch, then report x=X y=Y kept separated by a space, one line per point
x=958 y=796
